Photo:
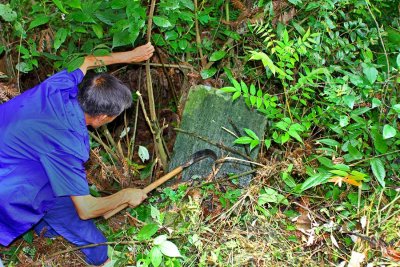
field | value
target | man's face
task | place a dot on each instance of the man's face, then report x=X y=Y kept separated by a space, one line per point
x=101 y=120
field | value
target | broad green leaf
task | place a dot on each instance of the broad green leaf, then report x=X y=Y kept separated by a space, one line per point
x=253 y=100
x=271 y=196
x=398 y=61
x=288 y=180
x=267 y=62
x=349 y=100
x=358 y=175
x=39 y=20
x=75 y=63
x=245 y=89
x=74 y=3
x=236 y=85
x=254 y=144
x=162 y=21
x=208 y=73
x=295 y=135
x=244 y=140
x=24 y=67
x=378 y=169
x=156 y=256
x=267 y=143
x=171 y=35
x=228 y=89
x=101 y=52
x=147 y=231
x=188 y=3
x=80 y=16
x=236 y=95
x=396 y=108
x=285 y=138
x=296 y=126
x=354 y=154
x=118 y=4
x=217 y=55
x=343 y=121
x=378 y=141
x=370 y=72
x=60 y=37
x=7 y=13
x=342 y=167
x=388 y=131
x=251 y=134
x=376 y=102
x=252 y=89
x=326 y=162
x=183 y=44
x=328 y=142
x=314 y=180
x=121 y=39
x=143 y=153
x=169 y=249
x=295 y=2
x=60 y=6
x=98 y=30
x=339 y=172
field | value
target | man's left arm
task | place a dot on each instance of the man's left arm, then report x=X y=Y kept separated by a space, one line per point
x=138 y=54
x=89 y=207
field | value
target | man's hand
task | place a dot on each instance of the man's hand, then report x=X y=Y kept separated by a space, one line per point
x=135 y=196
x=140 y=53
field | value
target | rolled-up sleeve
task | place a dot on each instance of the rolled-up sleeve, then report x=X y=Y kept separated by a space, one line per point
x=66 y=174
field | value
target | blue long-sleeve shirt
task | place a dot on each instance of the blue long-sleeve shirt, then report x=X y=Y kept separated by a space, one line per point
x=43 y=145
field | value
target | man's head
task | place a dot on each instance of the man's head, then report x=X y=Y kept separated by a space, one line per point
x=102 y=98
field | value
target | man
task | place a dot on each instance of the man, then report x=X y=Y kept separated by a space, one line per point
x=43 y=145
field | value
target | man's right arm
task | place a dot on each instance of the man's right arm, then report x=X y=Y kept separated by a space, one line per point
x=138 y=54
x=89 y=207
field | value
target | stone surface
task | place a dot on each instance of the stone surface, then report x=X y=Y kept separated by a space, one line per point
x=207 y=111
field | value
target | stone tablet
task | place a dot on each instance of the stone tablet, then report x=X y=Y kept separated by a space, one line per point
x=207 y=111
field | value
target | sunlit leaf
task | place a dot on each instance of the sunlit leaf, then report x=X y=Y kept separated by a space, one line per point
x=388 y=131
x=169 y=249
x=208 y=73
x=251 y=133
x=162 y=21
x=156 y=256
x=349 y=100
x=98 y=30
x=7 y=13
x=143 y=153
x=244 y=140
x=370 y=72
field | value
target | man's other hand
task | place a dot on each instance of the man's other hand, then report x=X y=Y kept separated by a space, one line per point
x=140 y=53
x=135 y=196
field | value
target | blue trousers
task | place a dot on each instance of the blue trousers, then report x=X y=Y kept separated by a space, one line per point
x=62 y=219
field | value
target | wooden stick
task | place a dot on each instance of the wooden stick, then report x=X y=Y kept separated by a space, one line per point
x=147 y=189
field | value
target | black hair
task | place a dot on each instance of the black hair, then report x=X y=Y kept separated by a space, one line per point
x=103 y=94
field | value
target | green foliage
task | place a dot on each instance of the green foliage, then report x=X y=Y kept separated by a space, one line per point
x=325 y=77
